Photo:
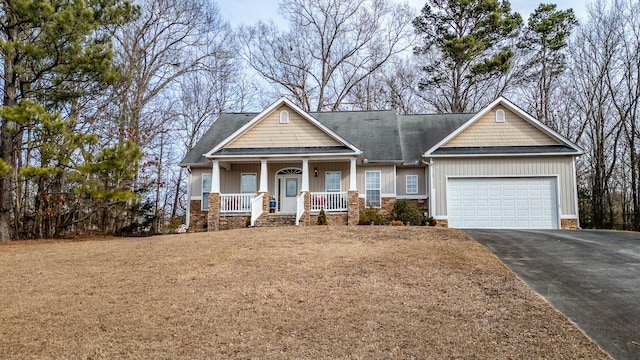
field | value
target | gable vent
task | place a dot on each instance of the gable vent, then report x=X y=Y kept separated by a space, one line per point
x=499 y=116
x=284 y=117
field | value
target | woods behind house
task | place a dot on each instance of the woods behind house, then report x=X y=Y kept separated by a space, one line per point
x=102 y=99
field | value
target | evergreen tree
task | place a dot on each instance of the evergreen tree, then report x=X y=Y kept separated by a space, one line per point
x=51 y=52
x=544 y=41
x=465 y=47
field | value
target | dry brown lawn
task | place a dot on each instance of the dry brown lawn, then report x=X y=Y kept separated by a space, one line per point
x=309 y=292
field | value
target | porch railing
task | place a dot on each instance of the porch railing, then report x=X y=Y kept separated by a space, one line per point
x=256 y=208
x=299 y=208
x=235 y=203
x=329 y=201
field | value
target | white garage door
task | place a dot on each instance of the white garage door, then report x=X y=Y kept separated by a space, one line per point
x=510 y=203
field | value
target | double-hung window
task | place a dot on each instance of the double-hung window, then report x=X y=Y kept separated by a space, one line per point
x=249 y=183
x=412 y=184
x=332 y=181
x=372 y=188
x=206 y=189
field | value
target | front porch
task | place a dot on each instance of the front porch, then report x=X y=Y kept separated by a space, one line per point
x=288 y=199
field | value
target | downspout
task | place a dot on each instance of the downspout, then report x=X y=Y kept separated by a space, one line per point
x=187 y=218
x=430 y=186
x=432 y=204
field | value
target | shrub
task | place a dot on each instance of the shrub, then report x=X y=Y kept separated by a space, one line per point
x=404 y=211
x=174 y=224
x=369 y=216
x=397 y=223
x=429 y=221
x=322 y=218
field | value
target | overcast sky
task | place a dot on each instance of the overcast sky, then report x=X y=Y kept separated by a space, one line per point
x=248 y=12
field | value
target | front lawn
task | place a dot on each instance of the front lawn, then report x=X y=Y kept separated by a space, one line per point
x=307 y=292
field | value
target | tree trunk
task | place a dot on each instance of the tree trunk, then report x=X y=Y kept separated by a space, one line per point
x=8 y=142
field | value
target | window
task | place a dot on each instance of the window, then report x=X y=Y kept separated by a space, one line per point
x=412 y=184
x=372 y=188
x=206 y=189
x=248 y=183
x=292 y=187
x=332 y=181
x=284 y=117
x=499 y=116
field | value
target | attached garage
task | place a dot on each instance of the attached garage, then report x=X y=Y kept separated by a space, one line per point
x=502 y=202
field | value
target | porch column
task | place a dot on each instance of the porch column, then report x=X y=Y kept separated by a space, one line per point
x=304 y=189
x=353 y=184
x=213 y=216
x=353 y=216
x=264 y=177
x=215 y=177
x=305 y=176
x=264 y=190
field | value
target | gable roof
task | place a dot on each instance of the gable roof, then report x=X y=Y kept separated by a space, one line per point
x=565 y=147
x=380 y=136
x=261 y=116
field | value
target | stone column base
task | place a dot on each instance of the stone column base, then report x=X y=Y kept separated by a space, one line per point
x=305 y=220
x=353 y=208
x=213 y=217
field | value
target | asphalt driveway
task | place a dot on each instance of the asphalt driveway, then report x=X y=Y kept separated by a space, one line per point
x=593 y=277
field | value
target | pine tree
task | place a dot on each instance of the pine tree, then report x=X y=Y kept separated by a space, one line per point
x=465 y=46
x=51 y=51
x=544 y=39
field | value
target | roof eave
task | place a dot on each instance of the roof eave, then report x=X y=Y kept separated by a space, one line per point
x=503 y=155
x=294 y=156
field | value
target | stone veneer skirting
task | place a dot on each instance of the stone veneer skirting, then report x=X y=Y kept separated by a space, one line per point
x=197 y=217
x=200 y=220
x=569 y=224
x=332 y=219
x=213 y=220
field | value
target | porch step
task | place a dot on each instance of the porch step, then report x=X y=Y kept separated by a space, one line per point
x=272 y=220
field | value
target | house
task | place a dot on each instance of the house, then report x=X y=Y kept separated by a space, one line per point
x=498 y=168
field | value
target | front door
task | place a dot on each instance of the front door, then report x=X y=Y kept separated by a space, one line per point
x=289 y=188
x=288 y=181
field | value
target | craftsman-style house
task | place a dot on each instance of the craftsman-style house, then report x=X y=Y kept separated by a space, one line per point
x=498 y=168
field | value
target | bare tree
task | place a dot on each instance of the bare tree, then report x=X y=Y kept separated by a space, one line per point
x=594 y=55
x=169 y=39
x=624 y=84
x=393 y=87
x=331 y=47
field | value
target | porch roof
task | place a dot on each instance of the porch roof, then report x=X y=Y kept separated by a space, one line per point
x=286 y=151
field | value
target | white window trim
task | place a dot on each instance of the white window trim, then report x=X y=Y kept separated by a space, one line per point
x=325 y=181
x=202 y=208
x=284 y=117
x=379 y=189
x=406 y=184
x=500 y=116
x=256 y=184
